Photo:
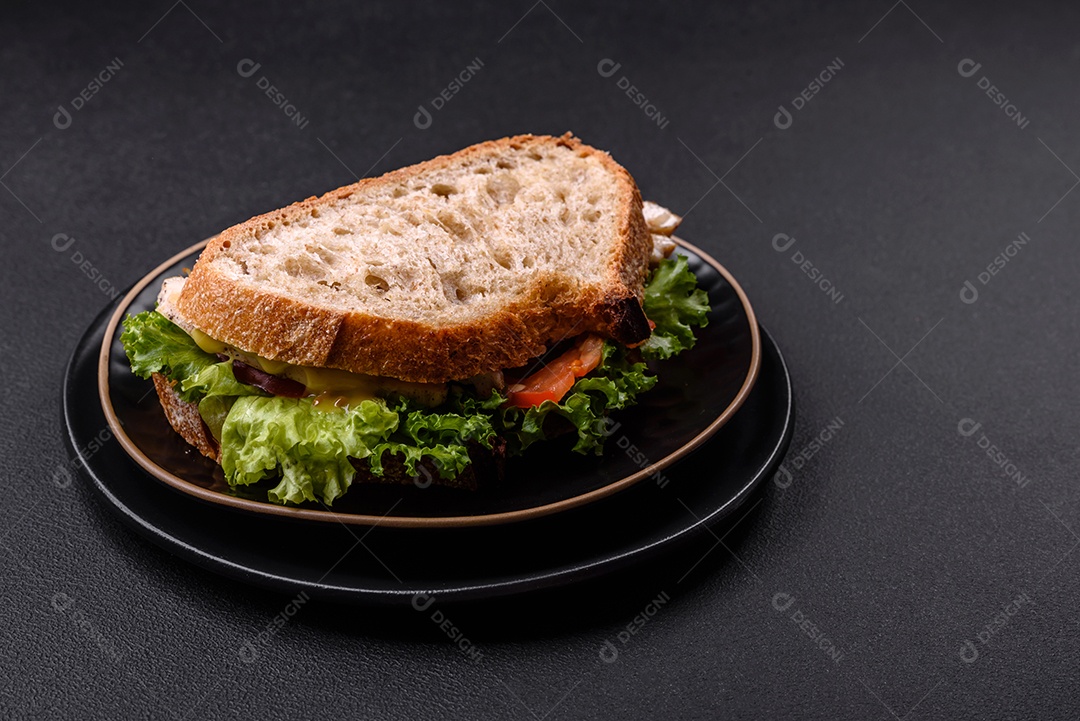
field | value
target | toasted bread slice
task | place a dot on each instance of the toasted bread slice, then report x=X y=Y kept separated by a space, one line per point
x=461 y=265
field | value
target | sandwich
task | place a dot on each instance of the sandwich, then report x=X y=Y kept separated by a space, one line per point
x=424 y=325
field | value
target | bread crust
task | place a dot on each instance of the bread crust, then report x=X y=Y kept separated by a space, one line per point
x=184 y=417
x=279 y=328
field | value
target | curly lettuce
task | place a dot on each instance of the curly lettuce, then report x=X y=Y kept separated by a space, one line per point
x=307 y=449
x=441 y=438
x=674 y=303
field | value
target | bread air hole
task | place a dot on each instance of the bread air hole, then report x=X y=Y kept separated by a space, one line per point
x=376 y=283
x=591 y=215
x=505 y=164
x=342 y=231
x=461 y=295
x=503 y=188
x=454 y=225
x=398 y=192
x=324 y=254
x=443 y=190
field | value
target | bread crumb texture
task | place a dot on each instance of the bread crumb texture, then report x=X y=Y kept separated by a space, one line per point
x=450 y=245
x=460 y=265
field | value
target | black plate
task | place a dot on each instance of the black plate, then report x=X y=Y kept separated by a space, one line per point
x=697 y=392
x=390 y=565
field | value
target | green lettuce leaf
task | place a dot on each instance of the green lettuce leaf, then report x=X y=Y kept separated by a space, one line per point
x=674 y=303
x=154 y=344
x=218 y=388
x=217 y=380
x=307 y=449
x=214 y=410
x=449 y=460
x=438 y=437
x=426 y=428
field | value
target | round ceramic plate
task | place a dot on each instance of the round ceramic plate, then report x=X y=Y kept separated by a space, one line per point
x=393 y=566
x=698 y=392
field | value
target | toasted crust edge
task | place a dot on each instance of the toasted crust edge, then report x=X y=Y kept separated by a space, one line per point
x=185 y=419
x=279 y=328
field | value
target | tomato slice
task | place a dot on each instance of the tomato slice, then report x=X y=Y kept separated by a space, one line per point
x=590 y=352
x=555 y=379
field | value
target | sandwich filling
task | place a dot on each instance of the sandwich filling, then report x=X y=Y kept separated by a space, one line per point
x=303 y=431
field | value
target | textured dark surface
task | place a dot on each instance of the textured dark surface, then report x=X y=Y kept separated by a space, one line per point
x=900 y=539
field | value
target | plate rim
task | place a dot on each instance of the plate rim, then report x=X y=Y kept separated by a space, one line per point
x=368 y=520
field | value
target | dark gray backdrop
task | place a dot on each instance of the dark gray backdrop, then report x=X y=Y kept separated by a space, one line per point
x=911 y=563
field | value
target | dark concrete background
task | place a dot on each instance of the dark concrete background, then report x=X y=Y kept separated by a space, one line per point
x=946 y=588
